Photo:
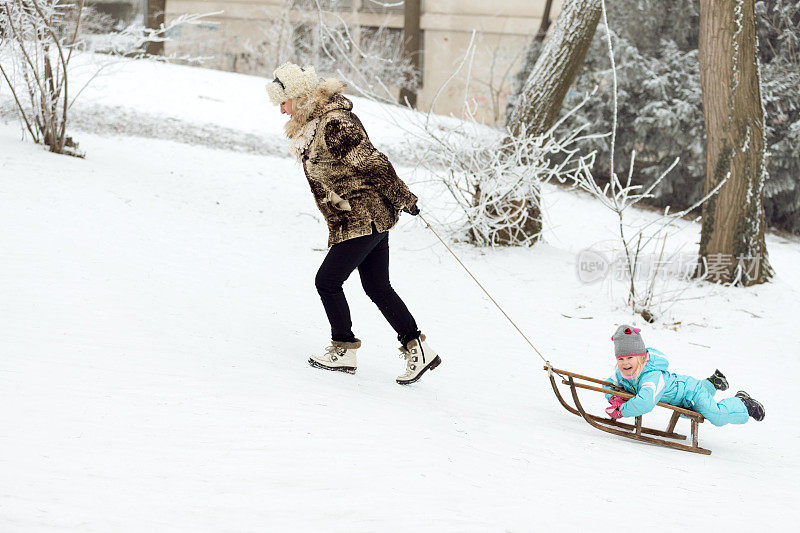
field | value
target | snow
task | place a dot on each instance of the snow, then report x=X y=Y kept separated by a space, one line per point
x=194 y=95
x=158 y=309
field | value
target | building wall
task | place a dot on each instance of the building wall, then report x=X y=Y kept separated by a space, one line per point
x=503 y=28
x=124 y=11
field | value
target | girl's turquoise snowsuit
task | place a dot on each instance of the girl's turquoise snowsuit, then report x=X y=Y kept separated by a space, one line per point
x=655 y=384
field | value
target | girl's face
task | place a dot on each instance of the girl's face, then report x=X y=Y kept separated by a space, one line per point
x=628 y=366
x=286 y=107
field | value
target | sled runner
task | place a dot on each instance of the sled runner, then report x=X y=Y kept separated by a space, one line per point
x=631 y=431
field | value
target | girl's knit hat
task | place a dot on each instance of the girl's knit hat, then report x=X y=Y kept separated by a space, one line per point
x=291 y=81
x=628 y=342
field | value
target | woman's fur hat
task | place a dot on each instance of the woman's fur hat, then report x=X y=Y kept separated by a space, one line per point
x=291 y=81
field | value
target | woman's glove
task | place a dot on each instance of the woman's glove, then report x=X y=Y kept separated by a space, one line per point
x=413 y=210
x=616 y=402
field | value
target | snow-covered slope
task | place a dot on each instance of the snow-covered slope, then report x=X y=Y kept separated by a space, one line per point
x=158 y=309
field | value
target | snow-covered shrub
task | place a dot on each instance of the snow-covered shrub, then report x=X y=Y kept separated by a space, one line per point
x=39 y=40
x=39 y=37
x=660 y=102
x=495 y=177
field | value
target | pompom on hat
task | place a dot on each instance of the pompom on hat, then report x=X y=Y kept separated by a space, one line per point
x=291 y=81
x=628 y=342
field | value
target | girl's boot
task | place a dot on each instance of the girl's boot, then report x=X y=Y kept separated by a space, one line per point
x=339 y=356
x=754 y=407
x=718 y=380
x=419 y=358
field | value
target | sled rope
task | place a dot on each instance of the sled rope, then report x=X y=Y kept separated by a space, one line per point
x=487 y=293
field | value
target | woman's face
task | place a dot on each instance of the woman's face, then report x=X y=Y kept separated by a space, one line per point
x=286 y=107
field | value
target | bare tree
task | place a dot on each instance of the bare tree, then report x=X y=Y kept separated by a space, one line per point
x=370 y=62
x=545 y=24
x=732 y=239
x=537 y=102
x=498 y=81
x=489 y=172
x=39 y=39
x=156 y=11
x=540 y=97
x=412 y=44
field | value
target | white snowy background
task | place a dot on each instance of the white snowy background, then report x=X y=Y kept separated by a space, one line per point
x=157 y=309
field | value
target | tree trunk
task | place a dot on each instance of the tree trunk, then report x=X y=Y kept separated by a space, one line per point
x=412 y=41
x=540 y=97
x=732 y=239
x=156 y=10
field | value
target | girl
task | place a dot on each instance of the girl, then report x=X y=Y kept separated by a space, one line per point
x=643 y=372
x=360 y=196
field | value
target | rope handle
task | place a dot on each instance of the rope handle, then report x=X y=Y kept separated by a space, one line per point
x=486 y=292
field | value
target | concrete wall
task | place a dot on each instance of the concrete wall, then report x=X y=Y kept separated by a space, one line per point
x=504 y=29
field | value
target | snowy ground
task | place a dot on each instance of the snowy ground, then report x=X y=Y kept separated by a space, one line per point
x=158 y=309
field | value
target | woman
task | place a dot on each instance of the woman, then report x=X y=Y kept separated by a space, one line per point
x=360 y=196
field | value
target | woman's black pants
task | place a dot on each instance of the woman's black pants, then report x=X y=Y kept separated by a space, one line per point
x=370 y=254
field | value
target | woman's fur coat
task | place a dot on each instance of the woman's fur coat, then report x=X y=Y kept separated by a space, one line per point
x=342 y=166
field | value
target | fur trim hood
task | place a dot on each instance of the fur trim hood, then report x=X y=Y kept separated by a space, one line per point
x=327 y=96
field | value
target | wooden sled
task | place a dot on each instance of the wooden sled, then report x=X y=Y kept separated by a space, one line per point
x=631 y=431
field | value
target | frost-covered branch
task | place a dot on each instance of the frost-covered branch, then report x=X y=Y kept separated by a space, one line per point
x=372 y=62
x=40 y=38
x=493 y=175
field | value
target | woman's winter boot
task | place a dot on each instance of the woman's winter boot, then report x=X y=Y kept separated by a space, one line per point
x=419 y=358
x=339 y=356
